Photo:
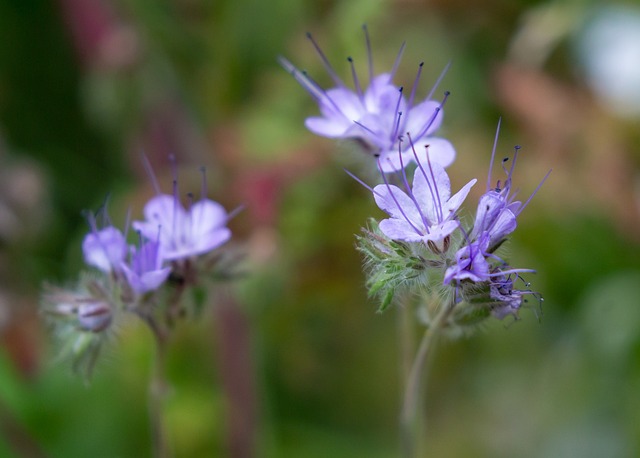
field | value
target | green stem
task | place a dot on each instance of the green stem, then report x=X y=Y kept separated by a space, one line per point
x=407 y=339
x=409 y=420
x=158 y=389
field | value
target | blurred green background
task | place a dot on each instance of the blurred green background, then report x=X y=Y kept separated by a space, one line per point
x=297 y=364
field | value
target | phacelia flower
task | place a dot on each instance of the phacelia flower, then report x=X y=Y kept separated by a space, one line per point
x=105 y=248
x=183 y=232
x=470 y=262
x=497 y=208
x=426 y=211
x=144 y=273
x=375 y=117
x=506 y=299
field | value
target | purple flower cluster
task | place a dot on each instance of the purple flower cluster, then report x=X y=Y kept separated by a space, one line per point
x=423 y=237
x=169 y=233
x=173 y=241
x=424 y=215
x=376 y=116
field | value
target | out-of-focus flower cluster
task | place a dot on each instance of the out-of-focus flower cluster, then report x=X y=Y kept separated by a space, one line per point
x=175 y=249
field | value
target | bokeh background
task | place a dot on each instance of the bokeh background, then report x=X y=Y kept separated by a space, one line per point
x=292 y=360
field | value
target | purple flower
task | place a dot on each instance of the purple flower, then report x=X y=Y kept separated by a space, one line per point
x=376 y=116
x=471 y=263
x=424 y=213
x=497 y=208
x=105 y=248
x=506 y=299
x=184 y=233
x=144 y=272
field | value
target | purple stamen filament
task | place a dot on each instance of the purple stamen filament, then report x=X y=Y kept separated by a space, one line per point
x=325 y=62
x=396 y=117
x=415 y=86
x=397 y=61
x=434 y=115
x=425 y=222
x=369 y=54
x=386 y=182
x=356 y=82
x=493 y=153
x=434 y=193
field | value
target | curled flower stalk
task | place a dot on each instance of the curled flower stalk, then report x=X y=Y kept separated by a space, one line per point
x=375 y=116
x=178 y=251
x=456 y=273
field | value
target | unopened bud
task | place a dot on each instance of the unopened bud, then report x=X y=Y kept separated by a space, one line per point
x=94 y=316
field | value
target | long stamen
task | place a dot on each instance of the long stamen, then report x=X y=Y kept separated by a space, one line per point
x=332 y=73
x=513 y=165
x=397 y=62
x=386 y=182
x=356 y=82
x=534 y=192
x=397 y=115
x=397 y=129
x=438 y=81
x=303 y=79
x=152 y=176
x=364 y=127
x=309 y=84
x=426 y=178
x=359 y=180
x=425 y=222
x=433 y=117
x=435 y=186
x=233 y=213
x=415 y=86
x=493 y=154
x=369 y=54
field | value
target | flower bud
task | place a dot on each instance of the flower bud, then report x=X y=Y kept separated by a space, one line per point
x=94 y=316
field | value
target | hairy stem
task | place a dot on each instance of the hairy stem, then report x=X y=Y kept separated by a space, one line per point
x=407 y=339
x=409 y=419
x=158 y=389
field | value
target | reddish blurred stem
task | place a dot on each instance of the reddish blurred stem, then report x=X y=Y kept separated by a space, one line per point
x=237 y=374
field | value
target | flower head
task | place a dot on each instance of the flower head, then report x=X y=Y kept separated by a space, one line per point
x=375 y=116
x=144 y=272
x=183 y=232
x=105 y=248
x=424 y=212
x=497 y=207
x=470 y=262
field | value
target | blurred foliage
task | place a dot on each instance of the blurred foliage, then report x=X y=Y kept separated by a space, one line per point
x=87 y=85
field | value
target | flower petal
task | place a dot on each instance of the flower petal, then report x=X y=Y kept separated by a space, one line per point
x=422 y=119
x=104 y=249
x=397 y=229
x=432 y=188
x=397 y=204
x=456 y=200
x=327 y=127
